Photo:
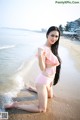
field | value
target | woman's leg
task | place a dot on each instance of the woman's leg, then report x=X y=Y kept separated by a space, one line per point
x=50 y=91
x=42 y=97
x=30 y=108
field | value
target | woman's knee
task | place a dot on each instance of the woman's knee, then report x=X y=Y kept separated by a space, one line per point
x=50 y=96
x=43 y=109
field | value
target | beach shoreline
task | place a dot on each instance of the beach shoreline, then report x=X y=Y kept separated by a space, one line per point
x=65 y=104
x=74 y=49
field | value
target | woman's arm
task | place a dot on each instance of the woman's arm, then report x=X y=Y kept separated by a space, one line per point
x=41 y=58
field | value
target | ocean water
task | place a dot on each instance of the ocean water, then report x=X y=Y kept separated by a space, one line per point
x=16 y=48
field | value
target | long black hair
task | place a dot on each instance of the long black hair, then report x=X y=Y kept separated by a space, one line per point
x=54 y=49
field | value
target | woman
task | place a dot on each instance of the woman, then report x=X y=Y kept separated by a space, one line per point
x=49 y=63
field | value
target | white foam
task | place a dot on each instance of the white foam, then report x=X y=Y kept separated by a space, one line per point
x=7 y=47
x=19 y=85
x=19 y=81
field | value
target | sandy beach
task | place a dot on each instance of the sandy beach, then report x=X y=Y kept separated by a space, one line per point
x=65 y=104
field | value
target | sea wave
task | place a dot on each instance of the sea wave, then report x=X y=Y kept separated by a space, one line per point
x=6 y=47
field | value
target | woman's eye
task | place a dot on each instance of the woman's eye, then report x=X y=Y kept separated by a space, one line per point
x=54 y=36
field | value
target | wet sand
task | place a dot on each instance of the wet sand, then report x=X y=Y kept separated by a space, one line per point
x=65 y=104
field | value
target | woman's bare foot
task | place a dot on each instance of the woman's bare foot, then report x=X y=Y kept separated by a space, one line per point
x=11 y=105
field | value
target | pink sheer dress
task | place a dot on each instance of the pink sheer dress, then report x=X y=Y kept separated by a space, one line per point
x=47 y=76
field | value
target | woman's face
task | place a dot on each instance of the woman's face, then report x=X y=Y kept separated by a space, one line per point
x=52 y=37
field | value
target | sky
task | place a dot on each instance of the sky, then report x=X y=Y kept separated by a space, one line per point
x=37 y=14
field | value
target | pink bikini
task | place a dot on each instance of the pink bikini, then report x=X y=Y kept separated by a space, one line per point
x=47 y=77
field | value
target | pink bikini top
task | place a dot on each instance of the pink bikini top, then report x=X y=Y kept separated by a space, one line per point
x=51 y=59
